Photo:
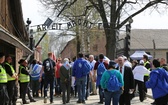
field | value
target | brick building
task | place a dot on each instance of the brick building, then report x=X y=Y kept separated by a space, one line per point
x=14 y=37
x=152 y=41
x=95 y=45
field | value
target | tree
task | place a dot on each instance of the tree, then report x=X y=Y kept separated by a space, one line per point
x=81 y=32
x=43 y=44
x=114 y=14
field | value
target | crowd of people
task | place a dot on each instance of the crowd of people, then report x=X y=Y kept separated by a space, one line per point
x=115 y=81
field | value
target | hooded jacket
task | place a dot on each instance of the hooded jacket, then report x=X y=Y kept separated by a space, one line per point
x=79 y=68
x=158 y=82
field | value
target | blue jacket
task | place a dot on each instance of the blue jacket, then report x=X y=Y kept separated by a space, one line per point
x=78 y=68
x=35 y=73
x=158 y=82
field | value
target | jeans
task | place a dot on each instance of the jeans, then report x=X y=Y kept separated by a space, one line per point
x=49 y=80
x=101 y=93
x=112 y=96
x=87 y=87
x=81 y=87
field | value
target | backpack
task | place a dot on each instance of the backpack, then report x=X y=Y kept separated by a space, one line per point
x=86 y=68
x=100 y=69
x=48 y=67
x=113 y=83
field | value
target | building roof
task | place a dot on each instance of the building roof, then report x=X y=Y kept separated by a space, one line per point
x=18 y=21
x=145 y=38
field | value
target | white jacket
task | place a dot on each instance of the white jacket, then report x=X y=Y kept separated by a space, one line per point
x=139 y=72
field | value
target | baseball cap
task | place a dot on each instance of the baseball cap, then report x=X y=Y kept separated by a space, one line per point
x=141 y=62
x=111 y=64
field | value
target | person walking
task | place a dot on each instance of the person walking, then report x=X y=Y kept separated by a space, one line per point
x=128 y=82
x=134 y=64
x=158 y=82
x=112 y=95
x=81 y=68
x=35 y=75
x=139 y=71
x=99 y=69
x=57 y=77
x=163 y=64
x=49 y=71
x=3 y=82
x=146 y=76
x=93 y=83
x=88 y=81
x=12 y=77
x=24 y=78
x=42 y=79
x=65 y=80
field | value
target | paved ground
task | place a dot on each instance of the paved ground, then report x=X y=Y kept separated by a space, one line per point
x=92 y=100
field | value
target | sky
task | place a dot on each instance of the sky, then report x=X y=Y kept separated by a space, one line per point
x=33 y=10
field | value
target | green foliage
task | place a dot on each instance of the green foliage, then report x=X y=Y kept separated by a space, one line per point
x=44 y=43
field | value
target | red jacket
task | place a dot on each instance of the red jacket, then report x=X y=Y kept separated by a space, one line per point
x=57 y=74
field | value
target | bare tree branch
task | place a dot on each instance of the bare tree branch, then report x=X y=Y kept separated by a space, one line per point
x=131 y=2
x=95 y=5
x=85 y=11
x=72 y=3
x=105 y=2
x=151 y=3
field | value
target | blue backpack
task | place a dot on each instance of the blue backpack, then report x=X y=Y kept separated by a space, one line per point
x=100 y=69
x=113 y=83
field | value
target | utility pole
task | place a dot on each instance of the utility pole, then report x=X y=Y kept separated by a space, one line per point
x=154 y=47
x=128 y=39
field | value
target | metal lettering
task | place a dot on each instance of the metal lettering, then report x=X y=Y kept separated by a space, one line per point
x=90 y=25
x=60 y=26
x=85 y=23
x=55 y=26
x=44 y=27
x=69 y=25
x=38 y=28
x=79 y=21
x=99 y=25
x=73 y=23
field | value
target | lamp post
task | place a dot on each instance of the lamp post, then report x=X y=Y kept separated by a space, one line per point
x=30 y=32
x=31 y=39
x=28 y=24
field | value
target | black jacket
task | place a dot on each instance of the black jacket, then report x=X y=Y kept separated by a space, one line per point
x=128 y=79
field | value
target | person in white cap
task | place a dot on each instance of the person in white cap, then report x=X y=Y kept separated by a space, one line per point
x=139 y=71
